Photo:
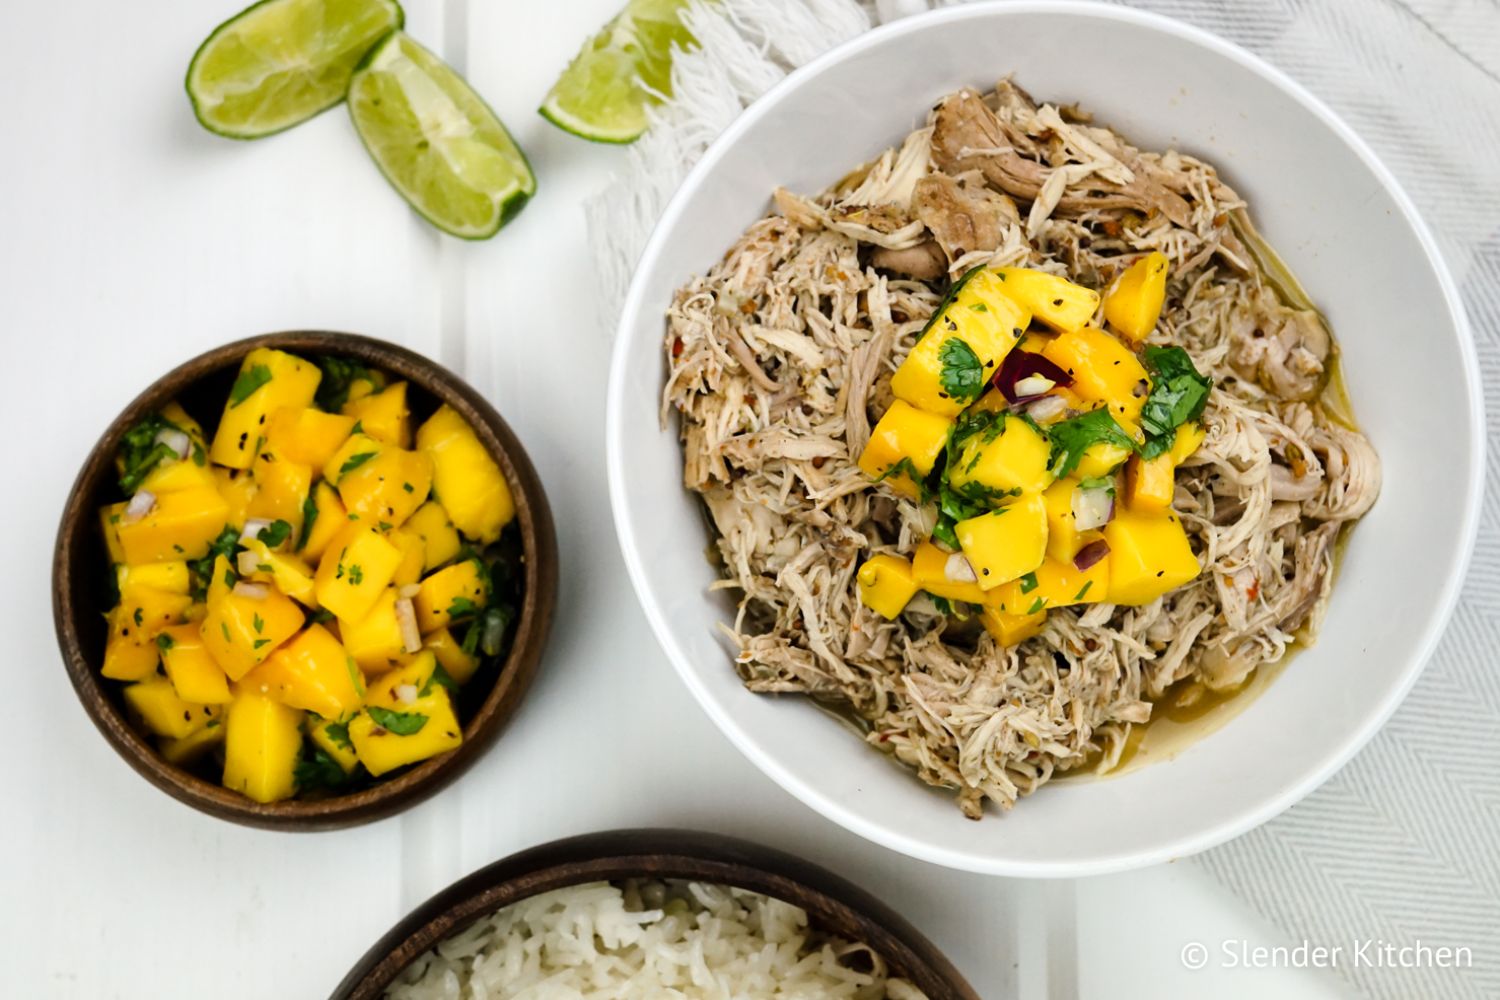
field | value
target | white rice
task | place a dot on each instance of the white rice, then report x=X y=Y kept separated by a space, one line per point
x=647 y=941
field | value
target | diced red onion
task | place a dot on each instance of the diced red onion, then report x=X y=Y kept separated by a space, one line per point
x=253 y=528
x=1047 y=409
x=139 y=506
x=1033 y=385
x=1091 y=554
x=1092 y=508
x=1019 y=367
x=406 y=618
x=405 y=693
x=248 y=563
x=254 y=591
x=179 y=442
x=959 y=570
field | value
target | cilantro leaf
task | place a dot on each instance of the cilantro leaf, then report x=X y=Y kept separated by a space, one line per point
x=275 y=533
x=962 y=373
x=906 y=467
x=400 y=723
x=225 y=545
x=1179 y=392
x=338 y=732
x=318 y=771
x=1071 y=438
x=355 y=461
x=339 y=376
x=309 y=517
x=248 y=381
x=164 y=642
x=441 y=678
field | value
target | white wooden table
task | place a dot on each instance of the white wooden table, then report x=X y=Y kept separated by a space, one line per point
x=133 y=240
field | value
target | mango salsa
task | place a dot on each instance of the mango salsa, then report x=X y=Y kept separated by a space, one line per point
x=310 y=542
x=1020 y=477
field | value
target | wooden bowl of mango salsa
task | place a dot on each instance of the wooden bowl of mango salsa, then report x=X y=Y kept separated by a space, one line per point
x=304 y=580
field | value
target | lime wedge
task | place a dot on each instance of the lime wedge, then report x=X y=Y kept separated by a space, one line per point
x=280 y=62
x=604 y=92
x=436 y=141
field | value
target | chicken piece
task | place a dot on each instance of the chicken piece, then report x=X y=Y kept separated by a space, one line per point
x=961 y=219
x=1284 y=350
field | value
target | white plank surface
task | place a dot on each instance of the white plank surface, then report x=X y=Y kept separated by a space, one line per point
x=134 y=240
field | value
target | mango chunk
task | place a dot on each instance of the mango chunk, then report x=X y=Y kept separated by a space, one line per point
x=1010 y=629
x=281 y=488
x=180 y=525
x=311 y=672
x=451 y=654
x=354 y=572
x=886 y=585
x=1063 y=537
x=940 y=573
x=184 y=474
x=962 y=346
x=905 y=438
x=450 y=595
x=1101 y=458
x=195 y=675
x=413 y=556
x=1054 y=300
x=1133 y=303
x=268 y=380
x=1053 y=584
x=1149 y=555
x=375 y=640
x=306 y=434
x=1103 y=369
x=173 y=577
x=193 y=747
x=324 y=518
x=131 y=653
x=332 y=737
x=262 y=741
x=440 y=539
x=1015 y=458
x=237 y=487
x=465 y=478
x=1150 y=482
x=381 y=483
x=240 y=630
x=1005 y=543
x=156 y=704
x=408 y=718
x=384 y=415
x=291 y=575
x=1189 y=438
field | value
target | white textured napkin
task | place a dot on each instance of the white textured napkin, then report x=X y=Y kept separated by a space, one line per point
x=1403 y=845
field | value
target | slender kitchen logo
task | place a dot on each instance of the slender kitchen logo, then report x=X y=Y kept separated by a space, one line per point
x=1367 y=953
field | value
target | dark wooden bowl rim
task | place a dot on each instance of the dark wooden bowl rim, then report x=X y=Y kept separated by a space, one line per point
x=71 y=596
x=833 y=903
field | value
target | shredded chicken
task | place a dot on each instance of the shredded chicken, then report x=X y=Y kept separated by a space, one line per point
x=780 y=361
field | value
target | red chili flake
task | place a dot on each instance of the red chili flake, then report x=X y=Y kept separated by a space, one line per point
x=1253 y=591
x=819 y=461
x=677 y=347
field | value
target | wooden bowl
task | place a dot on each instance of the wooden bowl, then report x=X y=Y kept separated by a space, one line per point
x=833 y=904
x=80 y=595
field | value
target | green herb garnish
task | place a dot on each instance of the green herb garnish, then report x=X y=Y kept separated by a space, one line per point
x=202 y=569
x=276 y=532
x=1179 y=392
x=1071 y=438
x=1028 y=583
x=400 y=723
x=339 y=376
x=441 y=678
x=354 y=462
x=338 y=732
x=906 y=467
x=309 y=517
x=248 y=381
x=164 y=642
x=318 y=771
x=962 y=373
x=1084 y=590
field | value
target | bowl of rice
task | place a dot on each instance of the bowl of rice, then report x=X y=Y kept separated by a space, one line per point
x=648 y=913
x=789 y=284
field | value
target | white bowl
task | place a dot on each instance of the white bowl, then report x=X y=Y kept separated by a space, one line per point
x=1346 y=229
